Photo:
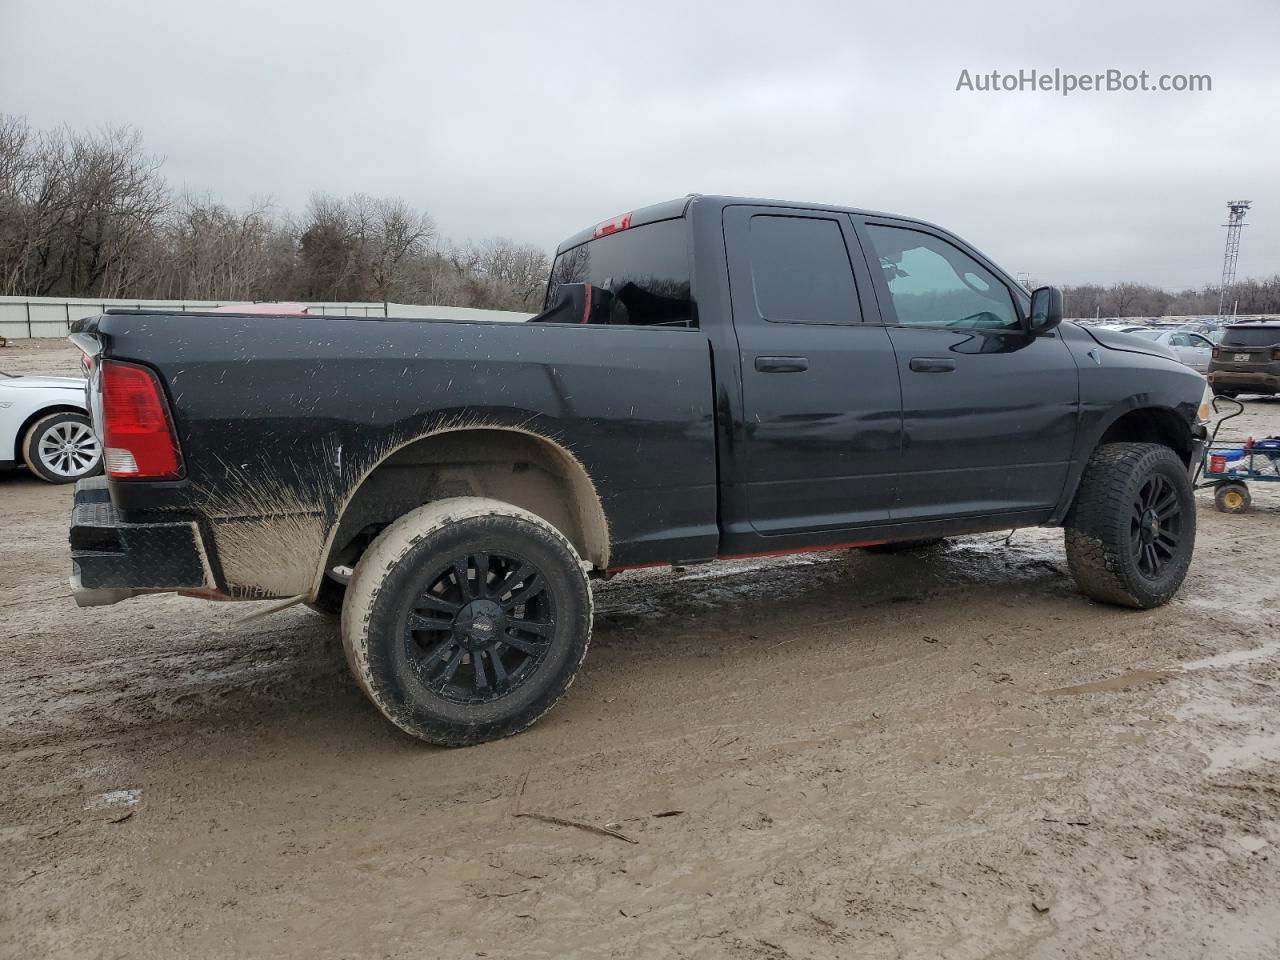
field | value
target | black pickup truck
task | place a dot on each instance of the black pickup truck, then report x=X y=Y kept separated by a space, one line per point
x=711 y=377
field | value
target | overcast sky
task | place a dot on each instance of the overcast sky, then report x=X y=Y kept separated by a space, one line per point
x=533 y=120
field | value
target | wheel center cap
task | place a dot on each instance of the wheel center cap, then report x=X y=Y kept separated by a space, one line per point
x=1150 y=524
x=479 y=622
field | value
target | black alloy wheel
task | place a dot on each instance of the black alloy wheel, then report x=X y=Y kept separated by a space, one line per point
x=480 y=627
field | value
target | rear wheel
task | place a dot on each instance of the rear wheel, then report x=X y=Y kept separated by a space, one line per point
x=62 y=448
x=466 y=620
x=1131 y=530
x=1232 y=496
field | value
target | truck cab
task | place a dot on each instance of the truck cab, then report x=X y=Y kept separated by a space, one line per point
x=875 y=375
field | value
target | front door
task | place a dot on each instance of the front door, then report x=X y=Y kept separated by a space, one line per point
x=989 y=411
x=822 y=423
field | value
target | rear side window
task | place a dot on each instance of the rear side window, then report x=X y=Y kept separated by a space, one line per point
x=1251 y=336
x=645 y=268
x=800 y=270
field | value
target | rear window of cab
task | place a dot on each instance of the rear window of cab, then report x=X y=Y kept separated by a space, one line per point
x=646 y=268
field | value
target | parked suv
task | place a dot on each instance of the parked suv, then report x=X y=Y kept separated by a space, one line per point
x=1247 y=360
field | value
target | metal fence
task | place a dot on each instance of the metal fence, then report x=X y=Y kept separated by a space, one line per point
x=22 y=317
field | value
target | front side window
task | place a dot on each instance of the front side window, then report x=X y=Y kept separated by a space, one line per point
x=644 y=268
x=800 y=271
x=935 y=284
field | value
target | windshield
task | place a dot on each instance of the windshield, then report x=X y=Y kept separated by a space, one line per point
x=1252 y=336
x=1149 y=334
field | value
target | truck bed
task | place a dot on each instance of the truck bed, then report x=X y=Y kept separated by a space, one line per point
x=282 y=420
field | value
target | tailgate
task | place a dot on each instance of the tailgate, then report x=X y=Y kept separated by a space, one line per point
x=1243 y=359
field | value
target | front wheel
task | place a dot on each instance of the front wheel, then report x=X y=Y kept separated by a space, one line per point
x=1132 y=528
x=466 y=620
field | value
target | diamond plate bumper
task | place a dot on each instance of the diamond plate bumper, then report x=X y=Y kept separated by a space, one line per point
x=112 y=560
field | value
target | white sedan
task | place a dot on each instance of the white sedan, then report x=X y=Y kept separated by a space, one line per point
x=44 y=423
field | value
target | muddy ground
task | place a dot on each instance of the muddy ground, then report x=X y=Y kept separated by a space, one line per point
x=837 y=755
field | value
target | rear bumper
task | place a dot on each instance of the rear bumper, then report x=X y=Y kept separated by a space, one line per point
x=112 y=560
x=1250 y=382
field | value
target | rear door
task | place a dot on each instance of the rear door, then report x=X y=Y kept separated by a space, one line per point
x=989 y=412
x=1191 y=348
x=822 y=418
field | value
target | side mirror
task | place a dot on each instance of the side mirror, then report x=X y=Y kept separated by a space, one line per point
x=1046 y=310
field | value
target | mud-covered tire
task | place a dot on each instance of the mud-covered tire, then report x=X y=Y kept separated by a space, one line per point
x=904 y=546
x=1107 y=527
x=393 y=663
x=1232 y=496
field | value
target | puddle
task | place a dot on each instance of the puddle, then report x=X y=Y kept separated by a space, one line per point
x=1251 y=842
x=1235 y=657
x=1249 y=752
x=1123 y=682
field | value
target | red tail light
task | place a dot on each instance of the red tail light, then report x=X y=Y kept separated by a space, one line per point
x=613 y=226
x=137 y=431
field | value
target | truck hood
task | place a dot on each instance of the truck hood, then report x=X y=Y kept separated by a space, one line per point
x=1129 y=343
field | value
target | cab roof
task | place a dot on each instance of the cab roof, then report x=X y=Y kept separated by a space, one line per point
x=669 y=209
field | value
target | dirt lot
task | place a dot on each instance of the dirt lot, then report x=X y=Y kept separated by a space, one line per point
x=948 y=755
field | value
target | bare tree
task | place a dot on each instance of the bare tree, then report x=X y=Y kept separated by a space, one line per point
x=78 y=208
x=89 y=214
x=394 y=234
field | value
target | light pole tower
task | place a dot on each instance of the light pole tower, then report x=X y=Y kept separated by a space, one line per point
x=1236 y=209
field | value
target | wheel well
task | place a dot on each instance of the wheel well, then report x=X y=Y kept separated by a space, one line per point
x=518 y=467
x=42 y=412
x=1152 y=425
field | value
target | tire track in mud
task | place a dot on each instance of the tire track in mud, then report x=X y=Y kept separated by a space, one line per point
x=112 y=694
x=297 y=656
x=294 y=656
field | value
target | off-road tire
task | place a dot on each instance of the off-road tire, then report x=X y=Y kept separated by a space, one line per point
x=1099 y=528
x=36 y=432
x=389 y=580
x=1232 y=497
x=904 y=546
